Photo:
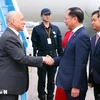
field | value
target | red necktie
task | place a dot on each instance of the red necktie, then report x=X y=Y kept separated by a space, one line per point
x=97 y=37
x=66 y=37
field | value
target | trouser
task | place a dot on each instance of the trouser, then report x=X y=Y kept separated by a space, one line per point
x=8 y=97
x=97 y=91
x=50 y=72
x=81 y=96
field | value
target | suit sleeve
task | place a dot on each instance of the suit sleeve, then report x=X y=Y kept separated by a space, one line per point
x=82 y=49
x=90 y=79
x=57 y=60
x=34 y=39
x=59 y=43
x=16 y=52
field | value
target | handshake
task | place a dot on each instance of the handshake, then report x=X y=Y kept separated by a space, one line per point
x=48 y=60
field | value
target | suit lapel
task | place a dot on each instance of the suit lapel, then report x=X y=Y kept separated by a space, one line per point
x=93 y=44
x=97 y=45
x=13 y=34
x=72 y=38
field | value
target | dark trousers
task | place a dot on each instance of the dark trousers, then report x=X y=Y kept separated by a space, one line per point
x=97 y=91
x=8 y=97
x=81 y=96
x=49 y=71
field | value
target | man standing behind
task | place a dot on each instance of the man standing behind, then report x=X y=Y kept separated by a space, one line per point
x=46 y=38
x=94 y=75
x=72 y=75
x=14 y=78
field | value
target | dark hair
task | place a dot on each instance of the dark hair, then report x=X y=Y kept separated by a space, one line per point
x=77 y=12
x=96 y=12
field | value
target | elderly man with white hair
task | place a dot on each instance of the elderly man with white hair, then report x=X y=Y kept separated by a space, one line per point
x=14 y=78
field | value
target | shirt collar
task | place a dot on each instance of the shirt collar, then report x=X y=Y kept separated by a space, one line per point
x=98 y=33
x=74 y=30
x=14 y=31
x=44 y=26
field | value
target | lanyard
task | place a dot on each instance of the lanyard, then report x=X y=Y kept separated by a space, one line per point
x=48 y=32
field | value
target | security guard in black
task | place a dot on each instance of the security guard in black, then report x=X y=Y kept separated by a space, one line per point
x=46 y=40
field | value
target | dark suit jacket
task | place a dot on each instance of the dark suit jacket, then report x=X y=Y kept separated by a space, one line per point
x=73 y=62
x=13 y=64
x=95 y=61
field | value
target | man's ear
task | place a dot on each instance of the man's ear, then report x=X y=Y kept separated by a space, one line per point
x=75 y=18
x=12 y=21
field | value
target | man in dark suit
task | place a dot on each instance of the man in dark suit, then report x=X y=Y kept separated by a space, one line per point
x=94 y=71
x=72 y=75
x=13 y=60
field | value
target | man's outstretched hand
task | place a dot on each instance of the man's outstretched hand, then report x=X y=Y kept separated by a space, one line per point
x=48 y=60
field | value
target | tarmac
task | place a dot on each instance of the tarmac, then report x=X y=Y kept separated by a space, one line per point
x=32 y=91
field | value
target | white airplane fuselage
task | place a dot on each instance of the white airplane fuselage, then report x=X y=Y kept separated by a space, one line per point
x=32 y=8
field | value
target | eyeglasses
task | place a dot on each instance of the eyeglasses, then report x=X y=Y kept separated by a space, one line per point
x=66 y=18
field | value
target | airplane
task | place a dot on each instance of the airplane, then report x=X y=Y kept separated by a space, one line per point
x=31 y=10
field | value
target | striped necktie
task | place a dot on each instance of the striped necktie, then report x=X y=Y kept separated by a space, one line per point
x=97 y=37
x=70 y=35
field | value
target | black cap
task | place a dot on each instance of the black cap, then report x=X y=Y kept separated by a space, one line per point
x=45 y=11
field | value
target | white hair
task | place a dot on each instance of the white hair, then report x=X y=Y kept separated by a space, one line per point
x=11 y=15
